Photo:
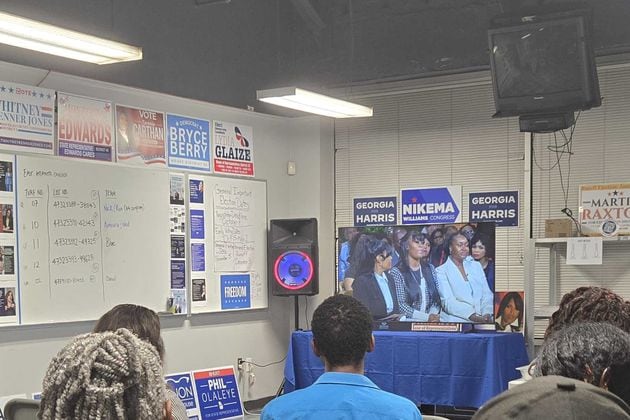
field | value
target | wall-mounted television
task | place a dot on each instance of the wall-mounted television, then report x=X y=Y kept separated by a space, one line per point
x=409 y=275
x=543 y=64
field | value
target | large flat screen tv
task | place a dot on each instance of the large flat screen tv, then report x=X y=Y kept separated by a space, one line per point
x=543 y=64
x=414 y=274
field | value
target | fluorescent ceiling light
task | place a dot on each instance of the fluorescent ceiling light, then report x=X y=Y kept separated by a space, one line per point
x=303 y=100
x=49 y=39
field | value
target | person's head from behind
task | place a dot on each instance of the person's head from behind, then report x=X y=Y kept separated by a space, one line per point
x=594 y=352
x=596 y=304
x=511 y=309
x=342 y=332
x=105 y=375
x=141 y=321
x=554 y=397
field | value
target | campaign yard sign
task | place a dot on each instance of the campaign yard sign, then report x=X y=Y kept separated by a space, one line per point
x=431 y=205
x=84 y=128
x=375 y=211
x=188 y=141
x=605 y=209
x=27 y=118
x=182 y=384
x=233 y=149
x=216 y=391
x=500 y=207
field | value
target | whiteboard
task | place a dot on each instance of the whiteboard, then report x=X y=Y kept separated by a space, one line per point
x=228 y=239
x=90 y=236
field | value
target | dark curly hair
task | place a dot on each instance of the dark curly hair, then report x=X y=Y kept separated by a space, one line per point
x=596 y=304
x=342 y=330
x=584 y=351
x=485 y=241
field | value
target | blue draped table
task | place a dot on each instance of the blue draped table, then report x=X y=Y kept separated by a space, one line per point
x=451 y=369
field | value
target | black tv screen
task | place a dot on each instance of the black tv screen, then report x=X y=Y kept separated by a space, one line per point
x=413 y=274
x=543 y=65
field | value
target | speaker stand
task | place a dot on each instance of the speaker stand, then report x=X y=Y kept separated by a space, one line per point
x=296 y=308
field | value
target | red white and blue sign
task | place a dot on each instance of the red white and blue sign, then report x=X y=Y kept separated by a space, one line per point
x=500 y=207
x=235 y=291
x=217 y=393
x=84 y=128
x=27 y=118
x=375 y=211
x=188 y=141
x=431 y=205
x=182 y=384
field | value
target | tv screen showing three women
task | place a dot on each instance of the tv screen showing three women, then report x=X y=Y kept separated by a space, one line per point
x=421 y=273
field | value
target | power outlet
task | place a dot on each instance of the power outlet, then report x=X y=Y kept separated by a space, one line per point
x=239 y=364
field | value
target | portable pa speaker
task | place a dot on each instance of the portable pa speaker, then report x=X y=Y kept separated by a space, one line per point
x=292 y=257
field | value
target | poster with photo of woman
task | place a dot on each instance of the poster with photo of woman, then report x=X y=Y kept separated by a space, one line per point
x=7 y=301
x=509 y=310
x=6 y=212
x=6 y=176
x=7 y=262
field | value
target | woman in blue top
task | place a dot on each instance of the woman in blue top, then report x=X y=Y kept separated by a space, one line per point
x=373 y=287
x=415 y=280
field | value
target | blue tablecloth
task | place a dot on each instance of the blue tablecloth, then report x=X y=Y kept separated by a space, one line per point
x=452 y=369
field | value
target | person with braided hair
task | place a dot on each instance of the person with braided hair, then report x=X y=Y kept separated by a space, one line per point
x=107 y=375
x=144 y=323
x=590 y=303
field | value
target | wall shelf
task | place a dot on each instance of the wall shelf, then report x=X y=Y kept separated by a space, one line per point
x=539 y=242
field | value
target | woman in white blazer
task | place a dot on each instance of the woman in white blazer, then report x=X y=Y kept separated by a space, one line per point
x=463 y=286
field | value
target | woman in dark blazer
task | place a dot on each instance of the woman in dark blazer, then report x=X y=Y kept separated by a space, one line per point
x=373 y=287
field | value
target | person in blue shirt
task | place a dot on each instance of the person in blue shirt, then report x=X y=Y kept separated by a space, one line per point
x=8 y=178
x=344 y=252
x=342 y=334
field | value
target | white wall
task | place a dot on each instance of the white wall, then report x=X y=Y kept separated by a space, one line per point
x=209 y=339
